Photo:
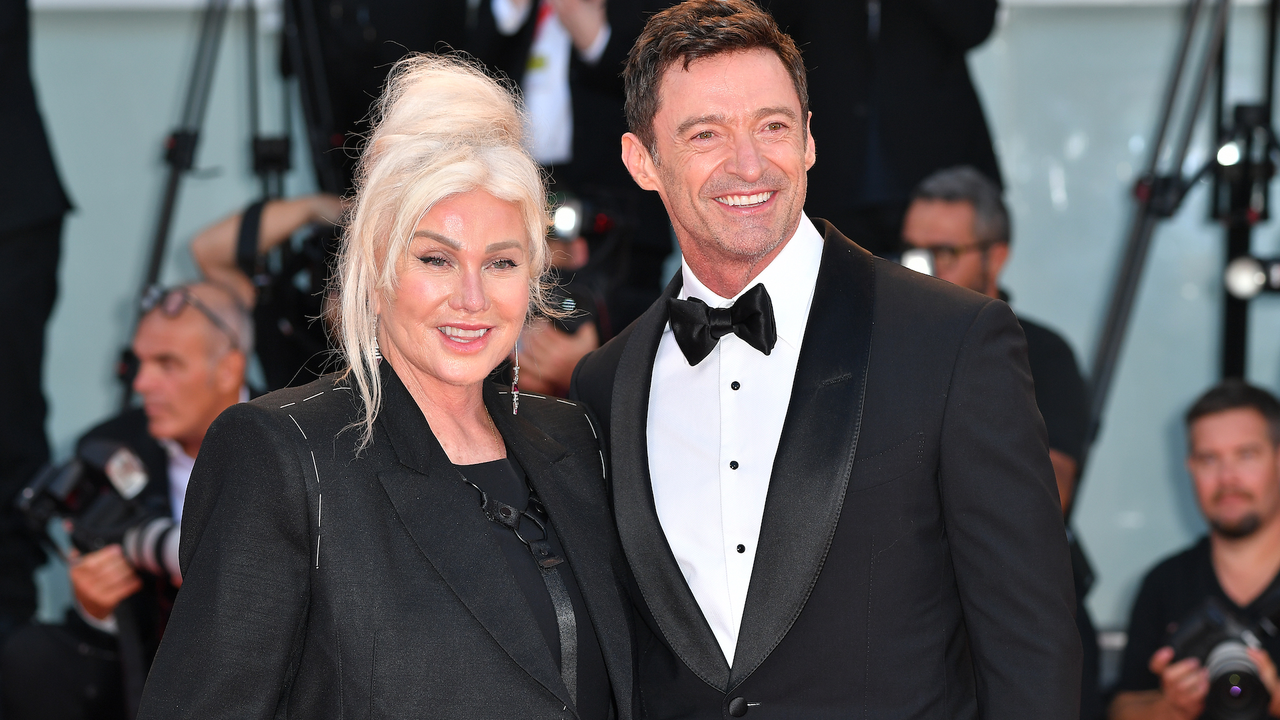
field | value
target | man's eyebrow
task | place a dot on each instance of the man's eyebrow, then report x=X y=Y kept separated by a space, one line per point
x=786 y=111
x=714 y=119
x=701 y=119
x=438 y=238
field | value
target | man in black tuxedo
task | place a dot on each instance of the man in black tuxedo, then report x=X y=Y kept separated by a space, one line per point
x=833 y=489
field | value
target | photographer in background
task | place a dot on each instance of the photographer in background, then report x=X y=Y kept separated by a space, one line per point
x=233 y=253
x=191 y=346
x=1233 y=455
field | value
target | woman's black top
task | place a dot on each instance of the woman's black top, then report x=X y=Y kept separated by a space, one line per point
x=505 y=481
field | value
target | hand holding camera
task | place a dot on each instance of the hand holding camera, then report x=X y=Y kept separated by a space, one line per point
x=102 y=579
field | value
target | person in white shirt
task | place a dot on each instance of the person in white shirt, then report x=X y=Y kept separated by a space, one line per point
x=829 y=475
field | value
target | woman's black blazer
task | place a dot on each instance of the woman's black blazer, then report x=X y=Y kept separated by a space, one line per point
x=322 y=583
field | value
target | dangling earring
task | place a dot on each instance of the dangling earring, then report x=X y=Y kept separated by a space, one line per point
x=515 y=384
x=377 y=352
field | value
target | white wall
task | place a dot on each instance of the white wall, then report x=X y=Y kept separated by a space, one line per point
x=1071 y=91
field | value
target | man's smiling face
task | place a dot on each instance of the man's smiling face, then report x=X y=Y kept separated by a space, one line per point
x=732 y=156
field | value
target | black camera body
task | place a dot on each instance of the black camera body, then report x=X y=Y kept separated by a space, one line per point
x=1218 y=639
x=95 y=490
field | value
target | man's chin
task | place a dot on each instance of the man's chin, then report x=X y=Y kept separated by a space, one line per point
x=1238 y=528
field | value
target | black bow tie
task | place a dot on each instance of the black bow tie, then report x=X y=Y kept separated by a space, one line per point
x=698 y=328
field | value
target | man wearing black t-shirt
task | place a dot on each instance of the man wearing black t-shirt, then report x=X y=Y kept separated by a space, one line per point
x=1233 y=455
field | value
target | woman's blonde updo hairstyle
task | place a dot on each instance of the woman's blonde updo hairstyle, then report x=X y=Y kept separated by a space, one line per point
x=442 y=127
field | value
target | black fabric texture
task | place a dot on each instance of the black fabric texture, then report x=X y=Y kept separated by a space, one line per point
x=504 y=481
x=28 y=288
x=1061 y=395
x=62 y=672
x=912 y=558
x=1175 y=588
x=31 y=193
x=320 y=581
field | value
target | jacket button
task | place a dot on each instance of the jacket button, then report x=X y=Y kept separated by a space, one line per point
x=738 y=707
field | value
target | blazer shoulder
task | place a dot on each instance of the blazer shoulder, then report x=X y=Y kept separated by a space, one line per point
x=328 y=403
x=569 y=422
x=906 y=298
x=594 y=377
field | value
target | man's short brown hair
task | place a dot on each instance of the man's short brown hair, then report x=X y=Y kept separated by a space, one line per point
x=1236 y=394
x=698 y=29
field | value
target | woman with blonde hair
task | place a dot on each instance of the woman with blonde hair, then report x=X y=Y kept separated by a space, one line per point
x=403 y=538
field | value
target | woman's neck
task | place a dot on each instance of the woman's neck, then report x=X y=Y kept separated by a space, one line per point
x=458 y=418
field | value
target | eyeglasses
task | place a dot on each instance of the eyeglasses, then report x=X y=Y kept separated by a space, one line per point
x=170 y=301
x=944 y=256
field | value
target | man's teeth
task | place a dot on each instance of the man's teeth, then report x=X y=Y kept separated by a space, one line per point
x=740 y=200
x=462 y=335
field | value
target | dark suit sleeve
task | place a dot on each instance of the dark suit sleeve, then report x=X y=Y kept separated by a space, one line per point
x=965 y=23
x=245 y=548
x=1004 y=530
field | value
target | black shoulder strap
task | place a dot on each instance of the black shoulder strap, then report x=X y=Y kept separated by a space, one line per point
x=247 y=243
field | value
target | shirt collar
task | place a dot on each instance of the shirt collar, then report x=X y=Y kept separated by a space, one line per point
x=789 y=278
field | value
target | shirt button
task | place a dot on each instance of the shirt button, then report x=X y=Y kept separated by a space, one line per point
x=735 y=384
x=733 y=464
x=742 y=549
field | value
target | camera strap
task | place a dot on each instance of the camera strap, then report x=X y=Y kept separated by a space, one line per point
x=549 y=564
x=247 y=240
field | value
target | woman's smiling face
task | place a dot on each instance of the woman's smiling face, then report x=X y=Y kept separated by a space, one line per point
x=462 y=292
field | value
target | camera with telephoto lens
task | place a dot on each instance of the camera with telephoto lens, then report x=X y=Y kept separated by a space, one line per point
x=1219 y=640
x=96 y=490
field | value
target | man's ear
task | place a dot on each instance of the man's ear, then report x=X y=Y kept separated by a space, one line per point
x=229 y=373
x=997 y=256
x=810 y=152
x=639 y=162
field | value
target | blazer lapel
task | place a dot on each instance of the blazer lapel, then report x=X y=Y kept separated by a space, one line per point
x=442 y=515
x=815 y=452
x=662 y=584
x=581 y=520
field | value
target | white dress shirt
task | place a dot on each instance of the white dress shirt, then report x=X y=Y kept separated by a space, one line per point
x=545 y=85
x=713 y=433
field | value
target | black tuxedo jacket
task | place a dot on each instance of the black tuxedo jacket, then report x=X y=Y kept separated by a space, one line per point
x=322 y=583
x=912 y=561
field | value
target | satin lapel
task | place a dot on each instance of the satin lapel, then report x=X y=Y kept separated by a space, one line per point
x=572 y=489
x=815 y=453
x=662 y=585
x=442 y=515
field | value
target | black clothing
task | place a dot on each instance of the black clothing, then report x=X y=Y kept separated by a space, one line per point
x=62 y=672
x=28 y=288
x=1062 y=399
x=73 y=671
x=911 y=556
x=30 y=191
x=32 y=204
x=504 y=481
x=892 y=102
x=335 y=583
x=1061 y=395
x=1174 y=589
